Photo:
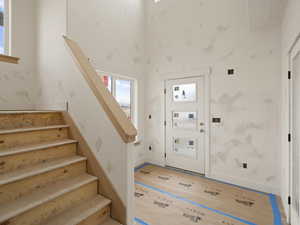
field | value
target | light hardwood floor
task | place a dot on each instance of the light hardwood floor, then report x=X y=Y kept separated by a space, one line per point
x=168 y=197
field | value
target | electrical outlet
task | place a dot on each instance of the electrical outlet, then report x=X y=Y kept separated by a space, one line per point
x=150 y=117
x=216 y=120
x=230 y=72
x=150 y=148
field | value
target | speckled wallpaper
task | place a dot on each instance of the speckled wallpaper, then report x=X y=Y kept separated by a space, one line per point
x=188 y=36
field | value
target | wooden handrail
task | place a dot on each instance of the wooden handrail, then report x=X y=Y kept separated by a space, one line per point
x=123 y=125
x=9 y=59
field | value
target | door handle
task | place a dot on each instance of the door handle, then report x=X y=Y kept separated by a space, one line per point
x=202 y=124
x=202 y=131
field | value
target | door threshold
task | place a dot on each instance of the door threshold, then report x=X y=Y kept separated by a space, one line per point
x=185 y=171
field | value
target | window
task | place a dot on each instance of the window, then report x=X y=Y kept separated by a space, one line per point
x=185 y=147
x=185 y=120
x=184 y=93
x=123 y=89
x=4 y=26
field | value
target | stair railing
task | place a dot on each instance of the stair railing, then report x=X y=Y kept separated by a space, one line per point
x=121 y=122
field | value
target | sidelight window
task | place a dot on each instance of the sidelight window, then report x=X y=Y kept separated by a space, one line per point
x=123 y=89
x=4 y=26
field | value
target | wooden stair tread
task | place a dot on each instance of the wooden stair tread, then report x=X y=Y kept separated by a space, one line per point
x=38 y=169
x=30 y=148
x=28 y=112
x=79 y=213
x=111 y=222
x=45 y=182
x=39 y=197
x=22 y=130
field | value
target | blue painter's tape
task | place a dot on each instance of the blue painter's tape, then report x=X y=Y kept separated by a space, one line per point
x=141 y=166
x=195 y=203
x=140 y=221
x=276 y=211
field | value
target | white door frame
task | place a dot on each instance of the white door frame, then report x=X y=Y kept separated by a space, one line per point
x=294 y=45
x=206 y=74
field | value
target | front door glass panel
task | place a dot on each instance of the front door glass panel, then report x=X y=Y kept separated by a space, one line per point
x=185 y=147
x=185 y=120
x=184 y=93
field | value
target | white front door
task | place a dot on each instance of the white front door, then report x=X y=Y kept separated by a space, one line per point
x=185 y=124
x=295 y=125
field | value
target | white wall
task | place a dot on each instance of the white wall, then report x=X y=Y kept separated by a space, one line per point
x=290 y=29
x=112 y=34
x=18 y=82
x=185 y=37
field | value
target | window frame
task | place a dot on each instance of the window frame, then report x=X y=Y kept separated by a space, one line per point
x=133 y=94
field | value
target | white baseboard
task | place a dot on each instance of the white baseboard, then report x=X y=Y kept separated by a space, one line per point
x=245 y=183
x=285 y=205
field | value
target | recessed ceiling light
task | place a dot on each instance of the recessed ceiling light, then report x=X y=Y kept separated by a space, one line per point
x=156 y=1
